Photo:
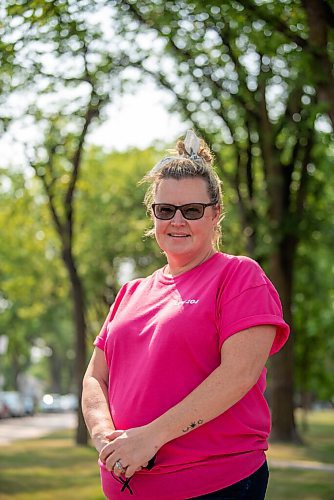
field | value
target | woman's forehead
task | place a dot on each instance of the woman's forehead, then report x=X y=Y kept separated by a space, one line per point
x=181 y=191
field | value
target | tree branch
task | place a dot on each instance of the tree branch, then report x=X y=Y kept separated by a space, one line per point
x=49 y=192
x=273 y=21
x=92 y=112
x=189 y=57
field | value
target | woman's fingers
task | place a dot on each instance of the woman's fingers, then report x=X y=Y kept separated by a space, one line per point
x=119 y=468
x=105 y=453
x=128 y=451
x=129 y=472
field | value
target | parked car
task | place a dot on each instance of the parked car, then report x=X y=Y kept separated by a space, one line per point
x=14 y=402
x=51 y=403
x=56 y=403
x=29 y=405
x=69 y=402
x=4 y=410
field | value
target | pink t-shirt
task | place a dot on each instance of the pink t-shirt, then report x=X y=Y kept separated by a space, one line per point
x=161 y=339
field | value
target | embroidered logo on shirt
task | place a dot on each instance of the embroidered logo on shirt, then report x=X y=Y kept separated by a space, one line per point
x=188 y=301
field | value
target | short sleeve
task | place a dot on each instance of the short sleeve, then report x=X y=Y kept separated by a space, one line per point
x=249 y=300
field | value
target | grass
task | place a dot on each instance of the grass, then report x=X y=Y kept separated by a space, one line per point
x=318 y=440
x=297 y=484
x=49 y=468
x=53 y=468
x=285 y=484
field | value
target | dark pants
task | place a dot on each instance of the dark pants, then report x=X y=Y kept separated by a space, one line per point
x=251 y=488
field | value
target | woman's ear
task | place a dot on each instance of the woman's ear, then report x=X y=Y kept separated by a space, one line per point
x=217 y=214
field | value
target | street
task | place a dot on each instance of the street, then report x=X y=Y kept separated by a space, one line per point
x=12 y=429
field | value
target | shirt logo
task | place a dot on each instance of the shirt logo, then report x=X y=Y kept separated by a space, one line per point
x=187 y=301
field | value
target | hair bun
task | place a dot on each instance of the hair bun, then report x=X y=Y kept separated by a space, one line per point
x=192 y=147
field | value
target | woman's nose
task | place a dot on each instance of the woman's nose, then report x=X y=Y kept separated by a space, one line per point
x=178 y=218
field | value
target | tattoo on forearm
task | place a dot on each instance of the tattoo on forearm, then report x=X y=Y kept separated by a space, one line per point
x=192 y=425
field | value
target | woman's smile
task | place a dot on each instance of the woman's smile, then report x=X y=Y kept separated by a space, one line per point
x=174 y=235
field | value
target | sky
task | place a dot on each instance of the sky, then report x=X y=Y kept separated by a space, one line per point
x=139 y=120
x=136 y=120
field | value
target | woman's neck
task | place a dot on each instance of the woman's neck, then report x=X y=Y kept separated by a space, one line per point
x=175 y=267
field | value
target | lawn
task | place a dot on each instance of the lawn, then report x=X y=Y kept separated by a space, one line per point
x=293 y=484
x=53 y=468
x=49 y=468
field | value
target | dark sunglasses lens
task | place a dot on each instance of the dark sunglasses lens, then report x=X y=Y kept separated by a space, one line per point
x=193 y=211
x=164 y=211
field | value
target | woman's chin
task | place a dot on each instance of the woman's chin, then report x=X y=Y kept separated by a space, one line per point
x=177 y=246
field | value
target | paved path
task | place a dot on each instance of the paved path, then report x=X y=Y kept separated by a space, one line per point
x=12 y=429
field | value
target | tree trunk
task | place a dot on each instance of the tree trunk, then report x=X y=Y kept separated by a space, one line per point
x=322 y=66
x=80 y=335
x=281 y=364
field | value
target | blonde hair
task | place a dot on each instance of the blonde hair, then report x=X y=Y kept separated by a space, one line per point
x=183 y=164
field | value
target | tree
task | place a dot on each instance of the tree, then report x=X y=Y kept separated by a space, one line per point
x=314 y=290
x=68 y=59
x=33 y=293
x=312 y=34
x=34 y=307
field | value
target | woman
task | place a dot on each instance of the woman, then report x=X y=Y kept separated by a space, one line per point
x=173 y=395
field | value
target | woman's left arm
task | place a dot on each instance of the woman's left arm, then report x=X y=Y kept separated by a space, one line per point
x=243 y=356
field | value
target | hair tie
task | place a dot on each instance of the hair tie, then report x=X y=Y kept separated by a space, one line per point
x=192 y=145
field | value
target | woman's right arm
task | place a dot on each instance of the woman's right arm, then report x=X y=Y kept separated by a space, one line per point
x=95 y=405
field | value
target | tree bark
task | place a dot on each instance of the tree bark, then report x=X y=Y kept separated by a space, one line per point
x=281 y=364
x=322 y=67
x=80 y=336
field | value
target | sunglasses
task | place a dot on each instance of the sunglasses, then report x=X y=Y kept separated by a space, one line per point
x=190 y=211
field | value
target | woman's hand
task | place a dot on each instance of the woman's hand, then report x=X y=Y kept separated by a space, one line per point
x=133 y=448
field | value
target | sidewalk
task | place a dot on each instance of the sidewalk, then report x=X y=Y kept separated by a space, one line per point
x=13 y=429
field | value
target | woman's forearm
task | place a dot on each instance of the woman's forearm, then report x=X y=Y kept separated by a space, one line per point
x=243 y=359
x=96 y=410
x=211 y=398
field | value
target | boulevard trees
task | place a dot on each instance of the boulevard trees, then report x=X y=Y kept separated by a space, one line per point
x=110 y=247
x=33 y=290
x=72 y=71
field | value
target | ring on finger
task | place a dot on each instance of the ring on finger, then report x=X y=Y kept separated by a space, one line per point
x=118 y=465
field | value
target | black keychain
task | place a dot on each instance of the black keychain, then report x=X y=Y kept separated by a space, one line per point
x=149 y=466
